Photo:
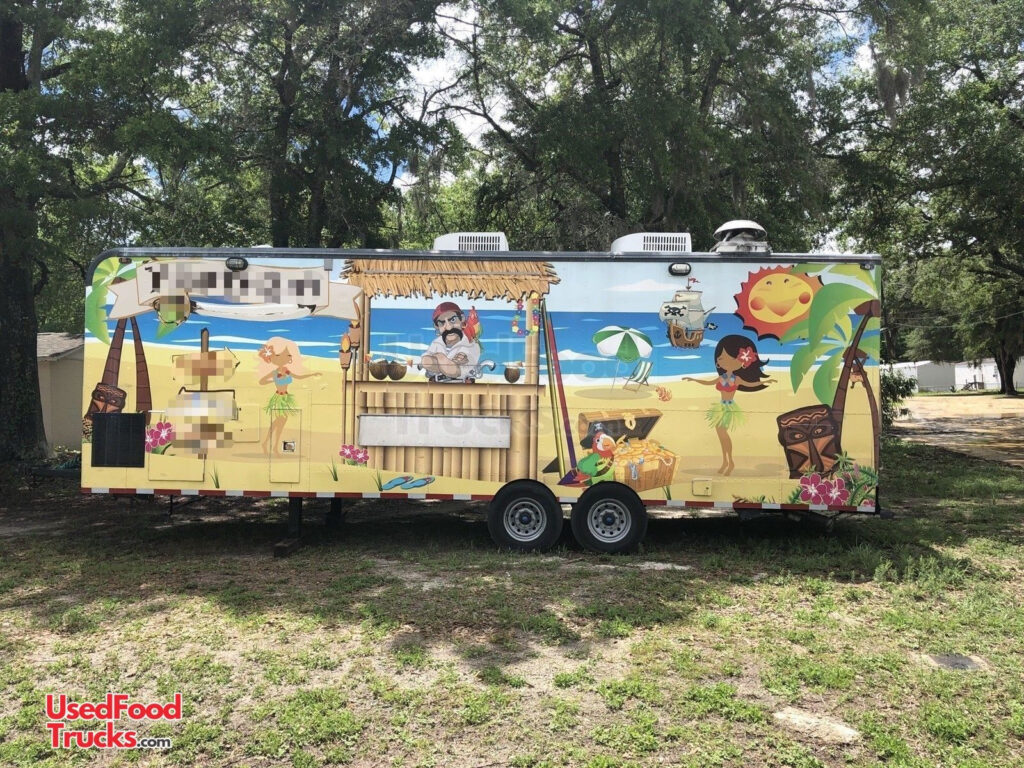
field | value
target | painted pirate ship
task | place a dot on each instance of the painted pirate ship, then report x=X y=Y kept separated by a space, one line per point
x=685 y=317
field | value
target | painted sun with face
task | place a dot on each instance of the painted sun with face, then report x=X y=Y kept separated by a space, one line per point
x=774 y=299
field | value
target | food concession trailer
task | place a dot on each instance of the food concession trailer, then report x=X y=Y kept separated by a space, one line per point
x=611 y=382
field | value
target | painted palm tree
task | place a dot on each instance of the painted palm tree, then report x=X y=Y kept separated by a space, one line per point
x=107 y=396
x=812 y=436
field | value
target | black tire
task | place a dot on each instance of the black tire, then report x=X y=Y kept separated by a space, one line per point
x=609 y=518
x=525 y=516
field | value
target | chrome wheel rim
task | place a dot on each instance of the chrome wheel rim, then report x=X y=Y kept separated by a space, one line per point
x=525 y=520
x=609 y=521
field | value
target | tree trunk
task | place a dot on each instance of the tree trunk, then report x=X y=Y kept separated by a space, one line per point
x=22 y=435
x=615 y=199
x=1006 y=364
x=280 y=185
x=12 y=56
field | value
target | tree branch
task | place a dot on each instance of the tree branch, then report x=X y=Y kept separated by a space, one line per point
x=44 y=277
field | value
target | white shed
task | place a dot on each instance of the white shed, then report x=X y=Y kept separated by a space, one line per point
x=61 y=358
x=985 y=375
x=930 y=376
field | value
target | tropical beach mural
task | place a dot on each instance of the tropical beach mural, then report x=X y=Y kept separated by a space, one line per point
x=458 y=376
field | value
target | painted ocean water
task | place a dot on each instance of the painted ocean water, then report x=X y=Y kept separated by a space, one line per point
x=403 y=334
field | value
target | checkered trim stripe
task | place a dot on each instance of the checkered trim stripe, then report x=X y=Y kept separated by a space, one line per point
x=670 y=503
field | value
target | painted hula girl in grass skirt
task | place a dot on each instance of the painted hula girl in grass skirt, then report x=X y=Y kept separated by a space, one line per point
x=280 y=362
x=739 y=367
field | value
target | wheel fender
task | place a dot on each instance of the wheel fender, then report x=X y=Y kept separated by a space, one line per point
x=602 y=489
x=517 y=486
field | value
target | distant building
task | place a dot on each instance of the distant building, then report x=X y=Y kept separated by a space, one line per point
x=946 y=377
x=985 y=375
x=61 y=358
x=930 y=376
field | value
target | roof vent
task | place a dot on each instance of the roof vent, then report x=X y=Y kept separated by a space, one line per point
x=653 y=242
x=741 y=236
x=471 y=241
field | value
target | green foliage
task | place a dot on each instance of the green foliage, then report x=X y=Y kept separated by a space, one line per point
x=928 y=183
x=314 y=100
x=617 y=692
x=896 y=388
x=947 y=723
x=579 y=677
x=85 y=90
x=721 y=700
x=666 y=116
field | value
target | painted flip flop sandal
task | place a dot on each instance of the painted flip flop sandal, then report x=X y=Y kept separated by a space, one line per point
x=419 y=482
x=395 y=482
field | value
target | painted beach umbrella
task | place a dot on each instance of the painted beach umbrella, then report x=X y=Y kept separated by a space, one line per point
x=627 y=344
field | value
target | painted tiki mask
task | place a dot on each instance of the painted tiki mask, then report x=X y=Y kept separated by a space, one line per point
x=106 y=398
x=810 y=437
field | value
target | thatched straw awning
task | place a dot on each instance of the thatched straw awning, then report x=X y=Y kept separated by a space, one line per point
x=510 y=280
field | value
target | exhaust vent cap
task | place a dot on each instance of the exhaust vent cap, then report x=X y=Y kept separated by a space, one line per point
x=472 y=241
x=741 y=236
x=653 y=242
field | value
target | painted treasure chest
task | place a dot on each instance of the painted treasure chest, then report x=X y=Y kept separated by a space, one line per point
x=636 y=460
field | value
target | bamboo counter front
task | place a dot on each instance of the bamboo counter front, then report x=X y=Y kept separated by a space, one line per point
x=456 y=422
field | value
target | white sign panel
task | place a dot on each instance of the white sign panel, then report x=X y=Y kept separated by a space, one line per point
x=417 y=431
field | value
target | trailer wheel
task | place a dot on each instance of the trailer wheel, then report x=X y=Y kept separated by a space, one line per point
x=525 y=516
x=609 y=518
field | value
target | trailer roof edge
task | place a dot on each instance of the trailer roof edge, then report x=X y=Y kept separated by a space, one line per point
x=377 y=253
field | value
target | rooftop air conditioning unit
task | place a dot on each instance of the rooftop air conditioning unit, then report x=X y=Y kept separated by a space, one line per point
x=653 y=242
x=471 y=241
x=741 y=236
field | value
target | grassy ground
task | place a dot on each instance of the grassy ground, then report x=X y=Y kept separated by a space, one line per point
x=411 y=641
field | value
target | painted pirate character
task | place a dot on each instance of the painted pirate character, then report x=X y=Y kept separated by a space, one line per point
x=455 y=353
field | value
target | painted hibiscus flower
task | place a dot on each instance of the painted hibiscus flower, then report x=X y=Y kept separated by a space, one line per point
x=747 y=356
x=836 y=493
x=813 y=489
x=159 y=437
x=347 y=452
x=164 y=432
x=361 y=455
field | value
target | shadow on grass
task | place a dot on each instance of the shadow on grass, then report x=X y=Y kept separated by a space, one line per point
x=432 y=570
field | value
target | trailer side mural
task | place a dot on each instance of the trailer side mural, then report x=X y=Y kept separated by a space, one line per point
x=737 y=382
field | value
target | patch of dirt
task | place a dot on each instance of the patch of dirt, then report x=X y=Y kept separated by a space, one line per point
x=411 y=578
x=989 y=427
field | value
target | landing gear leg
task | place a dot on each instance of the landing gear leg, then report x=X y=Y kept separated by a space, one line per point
x=294 y=538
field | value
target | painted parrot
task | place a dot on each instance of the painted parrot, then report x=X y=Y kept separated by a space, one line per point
x=471 y=327
x=593 y=467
